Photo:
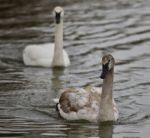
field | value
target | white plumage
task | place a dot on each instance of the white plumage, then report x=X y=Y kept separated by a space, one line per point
x=50 y=54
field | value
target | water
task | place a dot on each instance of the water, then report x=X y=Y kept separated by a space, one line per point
x=91 y=29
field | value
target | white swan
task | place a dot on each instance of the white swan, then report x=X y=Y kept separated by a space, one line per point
x=92 y=103
x=51 y=54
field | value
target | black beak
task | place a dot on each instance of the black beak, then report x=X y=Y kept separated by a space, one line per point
x=104 y=71
x=57 y=18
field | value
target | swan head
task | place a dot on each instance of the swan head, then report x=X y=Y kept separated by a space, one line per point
x=58 y=14
x=108 y=63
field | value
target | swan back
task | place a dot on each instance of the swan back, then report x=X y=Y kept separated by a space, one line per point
x=78 y=104
x=39 y=55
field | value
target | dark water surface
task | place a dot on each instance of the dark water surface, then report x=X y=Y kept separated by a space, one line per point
x=91 y=28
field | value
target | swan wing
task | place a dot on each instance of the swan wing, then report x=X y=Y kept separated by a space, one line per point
x=78 y=104
x=39 y=55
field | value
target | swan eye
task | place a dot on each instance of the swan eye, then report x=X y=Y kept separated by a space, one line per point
x=110 y=64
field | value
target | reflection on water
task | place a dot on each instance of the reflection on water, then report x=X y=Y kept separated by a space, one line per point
x=91 y=29
x=106 y=131
x=56 y=79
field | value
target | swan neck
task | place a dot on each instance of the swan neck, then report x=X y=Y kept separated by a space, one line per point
x=108 y=86
x=106 y=103
x=59 y=36
x=58 y=58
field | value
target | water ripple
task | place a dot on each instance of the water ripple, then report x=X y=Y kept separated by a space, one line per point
x=91 y=29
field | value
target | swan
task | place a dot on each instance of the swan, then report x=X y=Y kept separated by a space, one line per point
x=51 y=54
x=94 y=104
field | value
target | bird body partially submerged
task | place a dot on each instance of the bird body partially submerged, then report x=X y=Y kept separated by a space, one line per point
x=92 y=103
x=51 y=54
